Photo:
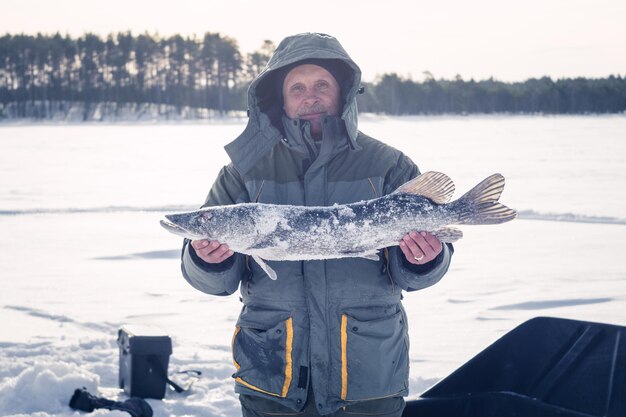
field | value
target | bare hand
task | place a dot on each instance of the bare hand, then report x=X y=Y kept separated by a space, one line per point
x=212 y=252
x=420 y=248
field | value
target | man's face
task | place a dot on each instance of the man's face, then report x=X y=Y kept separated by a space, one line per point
x=310 y=93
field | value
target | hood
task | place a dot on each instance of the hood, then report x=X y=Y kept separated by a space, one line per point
x=264 y=128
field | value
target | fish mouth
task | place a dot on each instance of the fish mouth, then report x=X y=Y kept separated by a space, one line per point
x=174 y=228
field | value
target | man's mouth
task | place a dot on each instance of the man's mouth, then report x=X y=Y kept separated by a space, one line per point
x=309 y=116
x=314 y=111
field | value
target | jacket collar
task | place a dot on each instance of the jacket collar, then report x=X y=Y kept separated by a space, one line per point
x=298 y=137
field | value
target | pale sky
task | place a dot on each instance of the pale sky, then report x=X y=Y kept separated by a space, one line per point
x=509 y=40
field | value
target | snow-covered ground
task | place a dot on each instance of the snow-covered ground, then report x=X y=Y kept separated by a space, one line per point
x=82 y=252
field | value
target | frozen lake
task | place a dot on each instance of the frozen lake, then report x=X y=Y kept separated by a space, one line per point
x=82 y=251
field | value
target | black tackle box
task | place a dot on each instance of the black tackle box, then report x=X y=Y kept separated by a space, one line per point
x=144 y=358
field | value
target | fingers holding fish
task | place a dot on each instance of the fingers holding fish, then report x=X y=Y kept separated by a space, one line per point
x=212 y=252
x=434 y=243
x=411 y=250
x=420 y=248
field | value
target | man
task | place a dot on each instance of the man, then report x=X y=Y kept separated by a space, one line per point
x=328 y=337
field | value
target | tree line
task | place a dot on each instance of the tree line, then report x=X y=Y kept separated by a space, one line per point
x=395 y=95
x=43 y=74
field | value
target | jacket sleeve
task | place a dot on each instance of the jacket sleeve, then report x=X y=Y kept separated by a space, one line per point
x=223 y=278
x=408 y=276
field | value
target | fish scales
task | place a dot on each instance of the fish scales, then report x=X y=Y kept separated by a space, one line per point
x=303 y=233
x=284 y=232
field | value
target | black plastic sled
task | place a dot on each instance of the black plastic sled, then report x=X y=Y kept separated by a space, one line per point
x=545 y=367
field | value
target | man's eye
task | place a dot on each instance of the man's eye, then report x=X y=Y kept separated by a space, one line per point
x=297 y=88
x=322 y=84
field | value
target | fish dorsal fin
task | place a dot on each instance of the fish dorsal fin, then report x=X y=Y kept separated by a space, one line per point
x=433 y=185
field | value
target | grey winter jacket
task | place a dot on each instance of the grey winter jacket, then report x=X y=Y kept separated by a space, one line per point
x=336 y=324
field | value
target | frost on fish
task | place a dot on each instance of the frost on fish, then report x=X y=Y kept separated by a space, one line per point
x=290 y=233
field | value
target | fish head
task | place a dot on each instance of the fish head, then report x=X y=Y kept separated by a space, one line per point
x=193 y=225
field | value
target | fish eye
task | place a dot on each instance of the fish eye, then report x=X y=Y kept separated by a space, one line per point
x=205 y=217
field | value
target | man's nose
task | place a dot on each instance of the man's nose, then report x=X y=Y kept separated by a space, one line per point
x=311 y=96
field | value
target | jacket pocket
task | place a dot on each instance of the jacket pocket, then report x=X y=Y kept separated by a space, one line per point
x=374 y=357
x=263 y=357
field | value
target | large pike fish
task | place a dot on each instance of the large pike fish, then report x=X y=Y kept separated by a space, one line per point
x=290 y=233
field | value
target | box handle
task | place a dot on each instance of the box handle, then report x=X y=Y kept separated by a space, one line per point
x=156 y=364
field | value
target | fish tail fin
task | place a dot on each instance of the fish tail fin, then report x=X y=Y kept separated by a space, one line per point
x=480 y=204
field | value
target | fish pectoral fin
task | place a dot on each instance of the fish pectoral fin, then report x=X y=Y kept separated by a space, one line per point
x=435 y=186
x=265 y=267
x=372 y=256
x=448 y=234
